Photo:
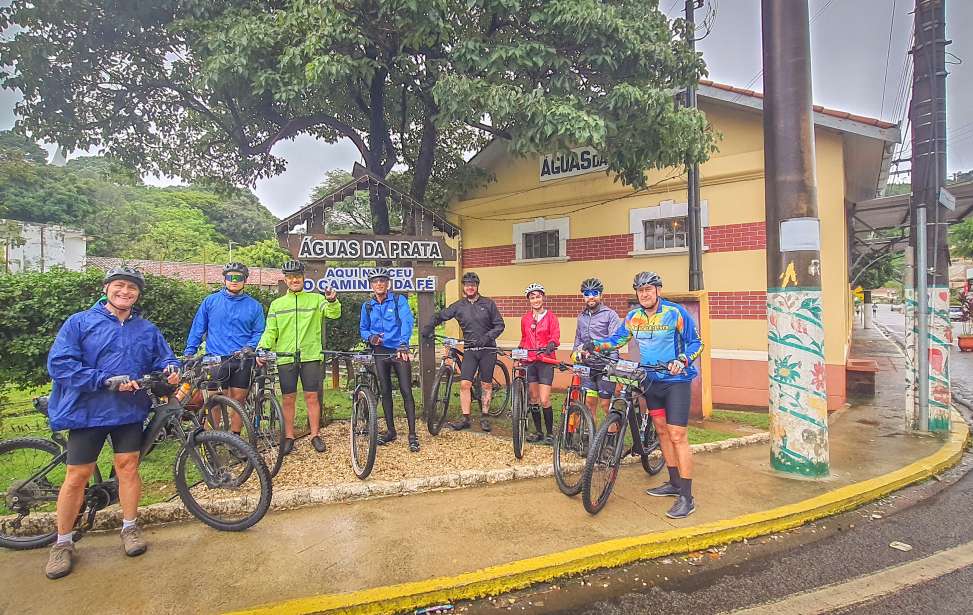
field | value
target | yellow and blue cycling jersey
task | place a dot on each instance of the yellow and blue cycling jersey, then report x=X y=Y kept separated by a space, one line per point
x=668 y=333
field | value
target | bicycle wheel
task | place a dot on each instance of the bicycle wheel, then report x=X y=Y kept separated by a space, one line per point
x=500 y=399
x=27 y=519
x=209 y=473
x=518 y=415
x=650 y=444
x=268 y=421
x=217 y=415
x=571 y=446
x=440 y=400
x=601 y=466
x=363 y=432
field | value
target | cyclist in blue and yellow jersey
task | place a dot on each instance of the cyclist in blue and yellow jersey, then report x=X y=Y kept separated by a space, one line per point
x=231 y=320
x=294 y=323
x=664 y=332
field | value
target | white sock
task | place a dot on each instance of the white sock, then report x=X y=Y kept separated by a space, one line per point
x=127 y=524
x=65 y=538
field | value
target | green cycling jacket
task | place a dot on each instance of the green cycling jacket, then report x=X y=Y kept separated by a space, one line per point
x=294 y=324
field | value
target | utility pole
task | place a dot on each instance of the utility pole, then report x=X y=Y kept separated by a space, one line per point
x=929 y=409
x=795 y=340
x=693 y=218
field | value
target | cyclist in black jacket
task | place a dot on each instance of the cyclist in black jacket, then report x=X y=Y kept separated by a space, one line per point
x=482 y=324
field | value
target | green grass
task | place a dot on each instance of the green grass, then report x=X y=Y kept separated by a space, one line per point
x=758 y=420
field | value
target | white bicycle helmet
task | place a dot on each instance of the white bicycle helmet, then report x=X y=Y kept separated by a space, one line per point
x=532 y=287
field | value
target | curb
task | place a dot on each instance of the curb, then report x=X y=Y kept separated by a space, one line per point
x=611 y=553
x=173 y=511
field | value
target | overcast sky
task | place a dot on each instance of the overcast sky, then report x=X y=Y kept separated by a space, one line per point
x=849 y=45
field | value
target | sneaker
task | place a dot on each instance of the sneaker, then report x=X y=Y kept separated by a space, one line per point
x=288 y=447
x=682 y=508
x=413 y=443
x=548 y=440
x=386 y=437
x=318 y=444
x=133 y=542
x=461 y=424
x=664 y=490
x=534 y=437
x=485 y=424
x=59 y=561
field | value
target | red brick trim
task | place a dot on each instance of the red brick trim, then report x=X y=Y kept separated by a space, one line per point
x=490 y=256
x=742 y=305
x=600 y=248
x=562 y=305
x=736 y=237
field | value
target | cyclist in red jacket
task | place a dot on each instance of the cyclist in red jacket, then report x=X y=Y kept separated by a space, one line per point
x=539 y=328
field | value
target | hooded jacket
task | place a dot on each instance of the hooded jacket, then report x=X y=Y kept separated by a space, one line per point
x=538 y=334
x=229 y=322
x=91 y=347
x=595 y=324
x=392 y=319
x=294 y=324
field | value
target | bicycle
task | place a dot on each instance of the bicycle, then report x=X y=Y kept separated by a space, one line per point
x=519 y=398
x=261 y=416
x=363 y=426
x=207 y=461
x=575 y=430
x=604 y=458
x=437 y=407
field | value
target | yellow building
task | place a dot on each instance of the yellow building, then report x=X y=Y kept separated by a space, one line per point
x=544 y=220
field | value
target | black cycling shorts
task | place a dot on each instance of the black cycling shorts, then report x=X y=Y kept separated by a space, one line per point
x=310 y=372
x=478 y=362
x=598 y=386
x=84 y=445
x=675 y=397
x=235 y=373
x=540 y=372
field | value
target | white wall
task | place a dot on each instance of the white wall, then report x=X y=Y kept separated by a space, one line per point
x=43 y=246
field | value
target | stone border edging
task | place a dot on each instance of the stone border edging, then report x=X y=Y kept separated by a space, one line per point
x=612 y=553
x=168 y=512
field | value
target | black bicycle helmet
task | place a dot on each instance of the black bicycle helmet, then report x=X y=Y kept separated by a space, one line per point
x=126 y=273
x=292 y=266
x=236 y=267
x=471 y=278
x=592 y=284
x=379 y=272
x=647 y=278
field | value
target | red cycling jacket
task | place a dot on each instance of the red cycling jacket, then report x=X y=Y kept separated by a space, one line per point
x=539 y=334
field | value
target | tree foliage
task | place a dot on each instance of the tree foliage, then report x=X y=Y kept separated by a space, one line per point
x=207 y=89
x=266 y=253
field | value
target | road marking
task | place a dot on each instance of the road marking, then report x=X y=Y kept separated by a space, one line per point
x=869 y=587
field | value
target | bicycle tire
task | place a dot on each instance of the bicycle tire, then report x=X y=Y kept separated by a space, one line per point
x=603 y=444
x=364 y=421
x=500 y=399
x=578 y=442
x=518 y=415
x=439 y=400
x=207 y=441
x=44 y=447
x=650 y=465
x=222 y=405
x=269 y=426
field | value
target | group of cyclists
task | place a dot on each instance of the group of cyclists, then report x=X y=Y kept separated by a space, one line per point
x=100 y=353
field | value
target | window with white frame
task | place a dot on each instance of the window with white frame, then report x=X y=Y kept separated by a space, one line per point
x=543 y=238
x=662 y=228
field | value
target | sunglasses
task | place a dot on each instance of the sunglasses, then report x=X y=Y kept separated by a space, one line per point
x=235 y=277
x=591 y=293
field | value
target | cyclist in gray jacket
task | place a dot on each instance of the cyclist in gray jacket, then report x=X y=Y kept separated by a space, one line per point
x=596 y=321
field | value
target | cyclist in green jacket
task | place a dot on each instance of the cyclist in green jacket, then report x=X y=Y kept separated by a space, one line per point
x=294 y=325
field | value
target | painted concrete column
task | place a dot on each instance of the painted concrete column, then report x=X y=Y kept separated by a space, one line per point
x=867 y=309
x=798 y=397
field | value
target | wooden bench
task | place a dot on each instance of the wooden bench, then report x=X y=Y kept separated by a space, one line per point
x=860 y=377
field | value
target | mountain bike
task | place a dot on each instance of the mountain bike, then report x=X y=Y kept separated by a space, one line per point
x=261 y=416
x=220 y=478
x=519 y=398
x=604 y=459
x=437 y=406
x=575 y=430
x=363 y=426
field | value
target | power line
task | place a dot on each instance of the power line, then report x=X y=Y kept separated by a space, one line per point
x=888 y=56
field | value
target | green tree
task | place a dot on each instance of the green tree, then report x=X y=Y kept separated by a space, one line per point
x=266 y=253
x=182 y=234
x=961 y=239
x=206 y=90
x=42 y=193
x=15 y=146
x=103 y=169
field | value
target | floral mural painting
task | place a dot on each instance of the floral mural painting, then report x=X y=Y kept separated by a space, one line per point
x=940 y=340
x=798 y=397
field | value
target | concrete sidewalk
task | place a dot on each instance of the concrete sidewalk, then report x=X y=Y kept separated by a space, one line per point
x=400 y=552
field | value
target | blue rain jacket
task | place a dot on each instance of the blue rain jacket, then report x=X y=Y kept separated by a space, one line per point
x=229 y=322
x=91 y=347
x=391 y=318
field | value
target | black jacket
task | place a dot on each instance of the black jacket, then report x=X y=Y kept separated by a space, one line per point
x=480 y=320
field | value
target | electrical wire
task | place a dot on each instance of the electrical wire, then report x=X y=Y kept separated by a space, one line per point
x=888 y=56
